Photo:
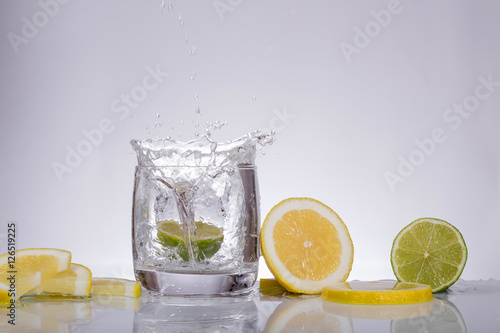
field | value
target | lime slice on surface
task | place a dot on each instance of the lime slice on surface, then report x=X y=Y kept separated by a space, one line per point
x=209 y=238
x=377 y=293
x=429 y=251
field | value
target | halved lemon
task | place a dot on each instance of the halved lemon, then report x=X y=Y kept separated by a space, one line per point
x=115 y=287
x=28 y=268
x=306 y=245
x=76 y=281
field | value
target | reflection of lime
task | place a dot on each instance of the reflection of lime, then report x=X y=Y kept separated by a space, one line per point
x=444 y=317
x=209 y=238
x=429 y=251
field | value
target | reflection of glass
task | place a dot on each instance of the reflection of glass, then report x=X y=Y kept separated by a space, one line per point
x=306 y=315
x=444 y=317
x=190 y=314
x=196 y=216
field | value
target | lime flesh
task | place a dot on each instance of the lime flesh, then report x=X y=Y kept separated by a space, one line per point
x=429 y=251
x=209 y=239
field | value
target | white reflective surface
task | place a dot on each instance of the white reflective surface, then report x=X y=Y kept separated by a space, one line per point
x=469 y=306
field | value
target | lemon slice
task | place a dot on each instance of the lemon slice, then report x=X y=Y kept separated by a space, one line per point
x=429 y=251
x=377 y=293
x=115 y=287
x=29 y=268
x=208 y=242
x=76 y=281
x=306 y=245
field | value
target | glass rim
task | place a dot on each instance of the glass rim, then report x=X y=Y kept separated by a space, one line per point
x=239 y=166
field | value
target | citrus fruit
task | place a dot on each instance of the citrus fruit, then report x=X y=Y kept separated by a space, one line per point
x=429 y=251
x=377 y=293
x=208 y=242
x=28 y=268
x=76 y=281
x=306 y=245
x=115 y=287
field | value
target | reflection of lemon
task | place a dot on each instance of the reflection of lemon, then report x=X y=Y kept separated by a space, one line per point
x=76 y=281
x=378 y=311
x=306 y=315
x=444 y=317
x=429 y=251
x=306 y=245
x=208 y=242
x=115 y=287
x=377 y=293
x=76 y=312
x=32 y=267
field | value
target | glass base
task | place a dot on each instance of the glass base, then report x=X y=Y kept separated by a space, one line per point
x=168 y=283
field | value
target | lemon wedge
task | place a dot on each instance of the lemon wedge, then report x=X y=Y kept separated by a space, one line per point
x=27 y=269
x=377 y=293
x=306 y=245
x=115 y=287
x=76 y=281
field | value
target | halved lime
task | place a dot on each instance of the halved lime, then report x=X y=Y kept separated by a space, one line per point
x=209 y=238
x=429 y=251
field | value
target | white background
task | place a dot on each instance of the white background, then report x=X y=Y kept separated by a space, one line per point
x=343 y=120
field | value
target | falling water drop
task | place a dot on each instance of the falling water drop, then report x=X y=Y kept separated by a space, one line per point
x=193 y=50
x=170 y=8
x=157 y=115
x=197 y=111
x=162 y=4
x=195 y=97
x=254 y=97
x=193 y=75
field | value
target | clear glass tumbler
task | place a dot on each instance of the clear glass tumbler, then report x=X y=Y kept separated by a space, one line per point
x=195 y=228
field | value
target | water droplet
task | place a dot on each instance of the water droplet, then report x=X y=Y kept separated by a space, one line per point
x=197 y=111
x=157 y=115
x=193 y=75
x=182 y=122
x=162 y=4
x=181 y=21
x=193 y=51
x=254 y=97
x=187 y=39
x=195 y=97
x=170 y=8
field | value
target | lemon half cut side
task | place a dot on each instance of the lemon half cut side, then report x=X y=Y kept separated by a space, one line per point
x=306 y=245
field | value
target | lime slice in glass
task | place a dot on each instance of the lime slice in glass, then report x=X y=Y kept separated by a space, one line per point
x=209 y=238
x=429 y=251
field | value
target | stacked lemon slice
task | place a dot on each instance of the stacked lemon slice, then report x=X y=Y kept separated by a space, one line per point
x=45 y=271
